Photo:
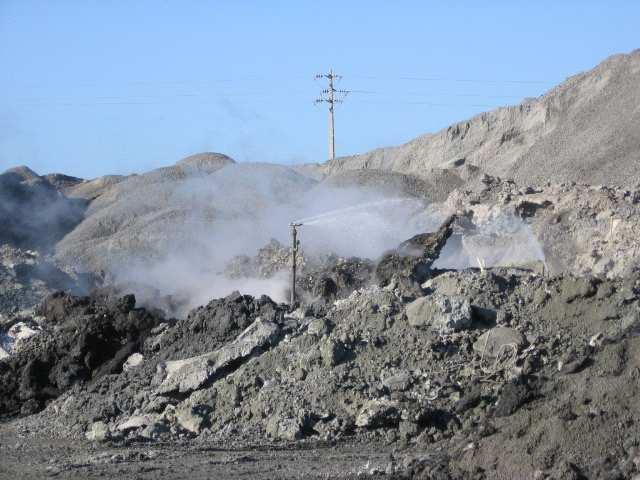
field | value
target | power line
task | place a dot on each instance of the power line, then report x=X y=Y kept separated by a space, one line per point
x=262 y=79
x=331 y=96
x=449 y=79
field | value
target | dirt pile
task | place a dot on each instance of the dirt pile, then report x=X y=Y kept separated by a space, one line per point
x=33 y=213
x=144 y=217
x=323 y=279
x=410 y=264
x=484 y=378
x=270 y=259
x=79 y=340
x=28 y=276
x=578 y=229
x=581 y=131
x=479 y=374
x=320 y=278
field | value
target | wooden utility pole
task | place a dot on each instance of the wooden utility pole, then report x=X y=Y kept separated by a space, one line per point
x=331 y=96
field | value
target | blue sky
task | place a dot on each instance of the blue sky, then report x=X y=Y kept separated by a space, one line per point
x=119 y=86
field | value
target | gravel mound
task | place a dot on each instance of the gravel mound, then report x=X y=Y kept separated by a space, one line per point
x=62 y=182
x=80 y=341
x=582 y=131
x=434 y=188
x=478 y=365
x=146 y=216
x=33 y=213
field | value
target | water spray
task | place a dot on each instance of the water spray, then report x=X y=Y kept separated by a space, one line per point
x=295 y=243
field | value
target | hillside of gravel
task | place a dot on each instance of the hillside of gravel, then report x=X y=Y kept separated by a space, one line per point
x=583 y=130
x=433 y=187
x=142 y=215
x=33 y=213
x=34 y=216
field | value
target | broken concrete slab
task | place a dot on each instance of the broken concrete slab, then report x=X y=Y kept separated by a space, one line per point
x=137 y=421
x=193 y=373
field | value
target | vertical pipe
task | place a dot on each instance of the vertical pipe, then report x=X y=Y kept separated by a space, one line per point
x=294 y=251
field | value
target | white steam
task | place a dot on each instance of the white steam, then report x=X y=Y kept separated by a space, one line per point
x=206 y=220
x=368 y=228
x=183 y=232
x=499 y=239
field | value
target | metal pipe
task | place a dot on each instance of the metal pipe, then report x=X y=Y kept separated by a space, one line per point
x=294 y=252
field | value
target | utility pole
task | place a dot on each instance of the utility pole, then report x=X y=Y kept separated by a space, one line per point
x=331 y=96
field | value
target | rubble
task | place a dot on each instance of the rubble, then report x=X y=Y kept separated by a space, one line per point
x=27 y=276
x=88 y=341
x=461 y=372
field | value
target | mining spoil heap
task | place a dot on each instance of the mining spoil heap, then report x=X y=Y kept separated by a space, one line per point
x=500 y=340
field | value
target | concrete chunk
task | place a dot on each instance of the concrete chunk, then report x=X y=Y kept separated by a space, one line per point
x=190 y=374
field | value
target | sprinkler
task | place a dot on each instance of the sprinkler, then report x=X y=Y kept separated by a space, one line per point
x=295 y=243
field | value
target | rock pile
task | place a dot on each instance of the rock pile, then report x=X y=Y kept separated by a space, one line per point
x=481 y=365
x=28 y=276
x=33 y=213
x=80 y=341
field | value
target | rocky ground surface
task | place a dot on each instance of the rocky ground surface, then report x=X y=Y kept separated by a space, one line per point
x=492 y=373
